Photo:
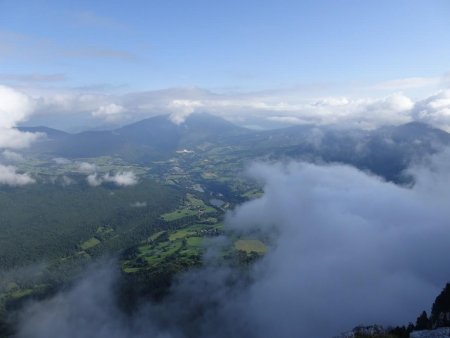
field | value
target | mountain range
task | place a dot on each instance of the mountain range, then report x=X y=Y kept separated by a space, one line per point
x=385 y=151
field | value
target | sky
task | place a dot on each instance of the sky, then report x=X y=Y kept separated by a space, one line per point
x=283 y=52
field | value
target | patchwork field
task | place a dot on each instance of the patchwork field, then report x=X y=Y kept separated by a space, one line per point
x=250 y=245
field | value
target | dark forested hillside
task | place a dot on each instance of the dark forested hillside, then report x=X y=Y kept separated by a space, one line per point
x=47 y=221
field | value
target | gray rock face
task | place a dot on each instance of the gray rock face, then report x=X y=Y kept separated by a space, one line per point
x=443 y=332
x=359 y=331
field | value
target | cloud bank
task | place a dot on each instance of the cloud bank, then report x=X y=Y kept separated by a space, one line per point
x=346 y=248
x=434 y=110
x=351 y=248
x=265 y=107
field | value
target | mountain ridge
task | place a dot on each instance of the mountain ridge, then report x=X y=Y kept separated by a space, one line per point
x=385 y=151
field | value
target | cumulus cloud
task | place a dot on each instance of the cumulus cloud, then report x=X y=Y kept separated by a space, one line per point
x=342 y=111
x=365 y=112
x=351 y=248
x=286 y=107
x=70 y=102
x=434 y=110
x=15 y=139
x=94 y=180
x=110 y=113
x=182 y=109
x=345 y=248
x=14 y=108
x=10 y=176
x=179 y=103
x=122 y=179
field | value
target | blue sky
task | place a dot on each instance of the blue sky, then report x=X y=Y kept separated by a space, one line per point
x=245 y=45
x=295 y=61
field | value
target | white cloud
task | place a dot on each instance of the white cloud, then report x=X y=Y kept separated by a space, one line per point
x=70 y=102
x=179 y=103
x=246 y=108
x=15 y=139
x=434 y=110
x=342 y=111
x=344 y=238
x=9 y=176
x=87 y=168
x=14 y=108
x=359 y=112
x=123 y=179
x=182 y=109
x=94 y=180
x=110 y=113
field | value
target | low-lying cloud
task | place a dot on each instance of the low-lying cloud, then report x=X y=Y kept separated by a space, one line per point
x=123 y=179
x=10 y=176
x=86 y=167
x=351 y=248
x=347 y=248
